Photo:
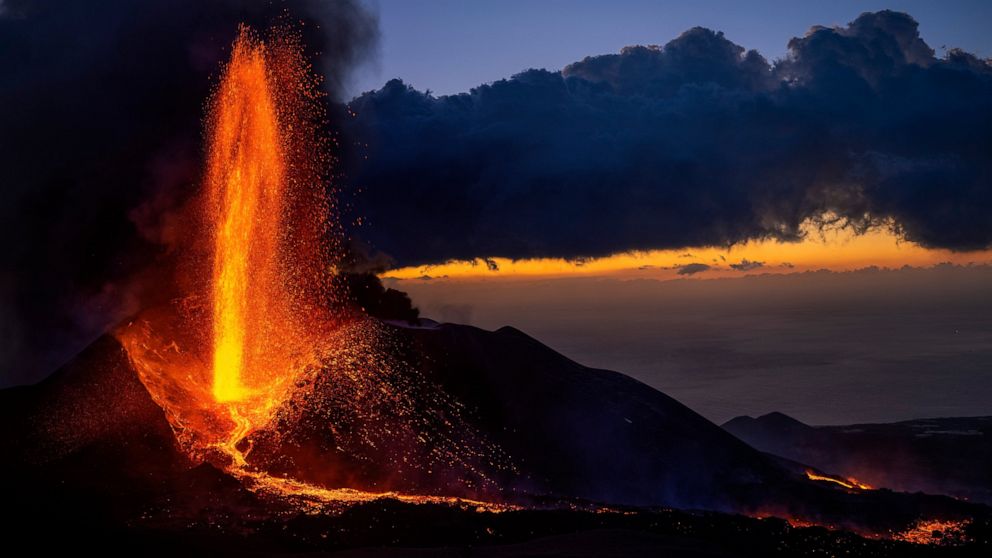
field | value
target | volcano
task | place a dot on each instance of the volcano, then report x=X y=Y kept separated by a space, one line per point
x=262 y=410
x=542 y=435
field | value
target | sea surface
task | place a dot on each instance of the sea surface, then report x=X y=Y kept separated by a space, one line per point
x=825 y=348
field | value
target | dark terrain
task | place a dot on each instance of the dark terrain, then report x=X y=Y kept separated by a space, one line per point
x=938 y=456
x=90 y=458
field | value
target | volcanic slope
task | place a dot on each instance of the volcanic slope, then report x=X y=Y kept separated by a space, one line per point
x=89 y=447
x=950 y=456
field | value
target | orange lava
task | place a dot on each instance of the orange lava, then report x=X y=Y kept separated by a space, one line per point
x=849 y=483
x=261 y=341
x=245 y=181
x=935 y=532
x=923 y=531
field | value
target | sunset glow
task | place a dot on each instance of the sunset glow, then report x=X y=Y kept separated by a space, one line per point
x=836 y=250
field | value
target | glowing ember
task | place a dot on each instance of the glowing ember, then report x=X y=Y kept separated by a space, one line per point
x=936 y=532
x=849 y=483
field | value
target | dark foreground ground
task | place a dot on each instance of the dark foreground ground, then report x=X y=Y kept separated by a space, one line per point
x=389 y=528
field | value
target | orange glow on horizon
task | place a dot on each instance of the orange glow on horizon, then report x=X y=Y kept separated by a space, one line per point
x=836 y=250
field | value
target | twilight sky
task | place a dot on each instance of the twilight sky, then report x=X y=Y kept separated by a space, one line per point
x=450 y=46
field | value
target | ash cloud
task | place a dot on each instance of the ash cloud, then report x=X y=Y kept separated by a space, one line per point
x=101 y=106
x=697 y=143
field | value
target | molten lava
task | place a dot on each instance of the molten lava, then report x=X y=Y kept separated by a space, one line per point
x=245 y=183
x=849 y=483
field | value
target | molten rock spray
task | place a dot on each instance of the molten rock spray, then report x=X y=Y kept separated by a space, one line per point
x=261 y=324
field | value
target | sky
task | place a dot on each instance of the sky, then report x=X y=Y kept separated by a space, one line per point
x=450 y=46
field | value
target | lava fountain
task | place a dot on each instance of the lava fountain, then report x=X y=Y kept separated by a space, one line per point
x=262 y=336
x=257 y=314
x=245 y=184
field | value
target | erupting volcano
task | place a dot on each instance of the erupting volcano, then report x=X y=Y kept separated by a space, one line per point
x=263 y=345
x=262 y=318
x=252 y=321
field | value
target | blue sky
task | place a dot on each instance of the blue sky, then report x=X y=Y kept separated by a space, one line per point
x=449 y=46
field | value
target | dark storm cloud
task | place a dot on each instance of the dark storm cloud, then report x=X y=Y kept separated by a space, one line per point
x=696 y=143
x=693 y=268
x=100 y=112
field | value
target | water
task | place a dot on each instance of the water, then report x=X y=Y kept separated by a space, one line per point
x=826 y=348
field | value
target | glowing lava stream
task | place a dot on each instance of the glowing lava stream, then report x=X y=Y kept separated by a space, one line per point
x=316 y=499
x=852 y=484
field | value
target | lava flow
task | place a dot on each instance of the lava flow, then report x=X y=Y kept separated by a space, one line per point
x=260 y=319
x=849 y=483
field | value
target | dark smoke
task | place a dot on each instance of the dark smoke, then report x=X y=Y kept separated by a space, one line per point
x=697 y=143
x=101 y=106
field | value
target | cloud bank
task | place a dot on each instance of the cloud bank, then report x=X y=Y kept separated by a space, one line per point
x=699 y=142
